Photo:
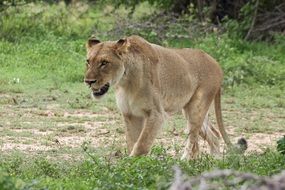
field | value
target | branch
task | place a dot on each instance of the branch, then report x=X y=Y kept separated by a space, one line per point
x=253 y=20
x=220 y=179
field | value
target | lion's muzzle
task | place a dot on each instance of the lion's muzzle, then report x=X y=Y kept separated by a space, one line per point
x=101 y=91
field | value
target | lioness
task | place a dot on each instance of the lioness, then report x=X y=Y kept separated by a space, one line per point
x=151 y=81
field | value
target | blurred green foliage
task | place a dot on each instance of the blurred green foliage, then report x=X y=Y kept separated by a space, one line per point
x=40 y=20
x=151 y=172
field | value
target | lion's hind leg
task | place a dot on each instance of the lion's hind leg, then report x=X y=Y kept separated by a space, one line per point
x=195 y=112
x=211 y=135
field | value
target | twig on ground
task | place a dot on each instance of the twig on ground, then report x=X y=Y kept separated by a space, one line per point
x=218 y=179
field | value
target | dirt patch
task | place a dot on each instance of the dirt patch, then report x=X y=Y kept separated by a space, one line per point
x=24 y=147
x=99 y=137
x=258 y=142
x=99 y=130
x=33 y=131
x=55 y=128
x=83 y=114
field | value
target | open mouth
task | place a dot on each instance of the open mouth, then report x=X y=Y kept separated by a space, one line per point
x=102 y=90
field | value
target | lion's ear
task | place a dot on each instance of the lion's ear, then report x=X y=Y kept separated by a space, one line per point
x=92 y=41
x=122 y=46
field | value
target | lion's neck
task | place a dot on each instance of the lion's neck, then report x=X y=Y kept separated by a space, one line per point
x=132 y=78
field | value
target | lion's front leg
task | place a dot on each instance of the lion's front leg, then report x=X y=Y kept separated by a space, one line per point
x=152 y=125
x=134 y=127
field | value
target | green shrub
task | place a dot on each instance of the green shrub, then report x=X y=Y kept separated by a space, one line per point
x=245 y=62
x=40 y=20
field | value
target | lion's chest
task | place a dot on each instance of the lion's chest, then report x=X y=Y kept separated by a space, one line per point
x=127 y=104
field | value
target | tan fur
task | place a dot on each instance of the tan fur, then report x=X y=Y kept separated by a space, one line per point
x=151 y=81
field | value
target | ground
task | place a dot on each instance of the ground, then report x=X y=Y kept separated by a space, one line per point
x=58 y=121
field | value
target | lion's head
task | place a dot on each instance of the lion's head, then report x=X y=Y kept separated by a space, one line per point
x=105 y=66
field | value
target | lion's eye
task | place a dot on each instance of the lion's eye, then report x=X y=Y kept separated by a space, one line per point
x=103 y=63
x=87 y=62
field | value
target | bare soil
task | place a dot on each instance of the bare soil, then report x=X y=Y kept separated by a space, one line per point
x=34 y=129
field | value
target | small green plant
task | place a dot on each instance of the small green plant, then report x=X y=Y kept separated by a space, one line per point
x=9 y=183
x=46 y=168
x=281 y=145
x=6 y=182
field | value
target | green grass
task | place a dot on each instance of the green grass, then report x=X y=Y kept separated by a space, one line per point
x=152 y=172
x=44 y=103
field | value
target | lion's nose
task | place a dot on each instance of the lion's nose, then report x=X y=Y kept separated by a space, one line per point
x=90 y=81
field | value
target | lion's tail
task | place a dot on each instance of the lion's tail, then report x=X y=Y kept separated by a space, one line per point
x=242 y=143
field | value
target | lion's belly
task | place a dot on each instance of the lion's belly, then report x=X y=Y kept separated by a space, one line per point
x=176 y=94
x=176 y=91
x=174 y=102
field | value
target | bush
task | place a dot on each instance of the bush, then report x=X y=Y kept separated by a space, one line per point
x=40 y=20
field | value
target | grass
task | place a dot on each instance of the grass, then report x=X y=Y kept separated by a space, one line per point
x=153 y=172
x=63 y=140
